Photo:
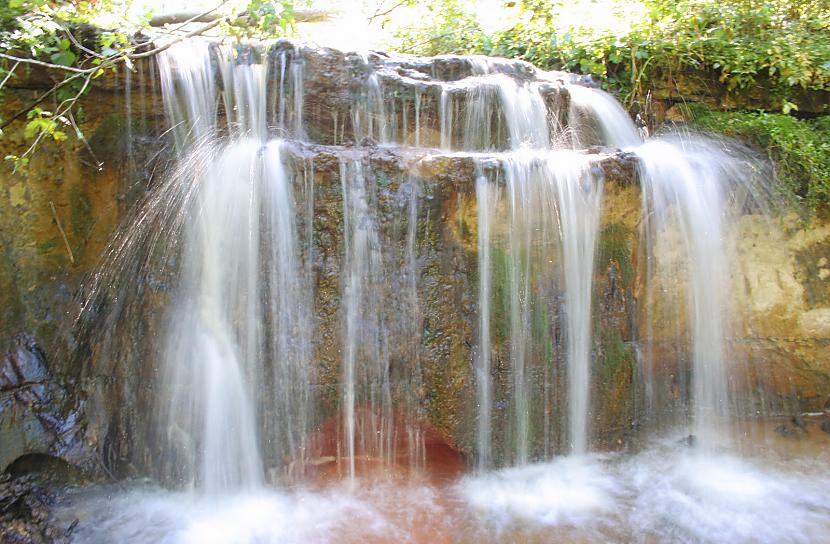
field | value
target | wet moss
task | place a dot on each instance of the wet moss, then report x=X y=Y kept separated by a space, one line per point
x=813 y=272
x=109 y=141
x=47 y=246
x=541 y=321
x=613 y=390
x=500 y=290
x=618 y=360
x=81 y=217
x=615 y=248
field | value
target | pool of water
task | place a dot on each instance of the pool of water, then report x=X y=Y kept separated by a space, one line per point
x=777 y=492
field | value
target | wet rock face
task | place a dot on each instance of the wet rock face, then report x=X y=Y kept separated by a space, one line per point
x=24 y=364
x=98 y=407
x=36 y=414
x=706 y=88
x=25 y=505
x=340 y=96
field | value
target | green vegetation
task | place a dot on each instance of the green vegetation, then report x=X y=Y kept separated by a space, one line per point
x=778 y=47
x=37 y=34
x=799 y=148
x=81 y=40
x=614 y=248
x=629 y=45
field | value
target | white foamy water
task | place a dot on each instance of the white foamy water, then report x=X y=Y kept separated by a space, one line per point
x=702 y=498
x=570 y=491
x=665 y=494
x=661 y=495
x=263 y=517
x=779 y=493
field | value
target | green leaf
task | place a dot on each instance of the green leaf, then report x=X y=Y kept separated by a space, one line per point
x=64 y=58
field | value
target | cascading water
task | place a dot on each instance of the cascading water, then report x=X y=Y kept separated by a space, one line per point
x=691 y=192
x=549 y=190
x=485 y=198
x=579 y=198
x=595 y=117
x=364 y=360
x=444 y=281
x=240 y=322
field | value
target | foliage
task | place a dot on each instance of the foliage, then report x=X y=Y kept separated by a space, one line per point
x=271 y=18
x=782 y=44
x=74 y=38
x=58 y=35
x=800 y=148
x=449 y=26
x=264 y=19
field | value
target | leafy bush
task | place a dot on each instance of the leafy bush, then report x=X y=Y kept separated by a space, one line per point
x=449 y=27
x=629 y=44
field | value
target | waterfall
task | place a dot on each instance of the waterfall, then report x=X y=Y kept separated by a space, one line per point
x=189 y=87
x=597 y=118
x=237 y=355
x=214 y=335
x=692 y=190
x=559 y=193
x=362 y=272
x=687 y=194
x=446 y=114
x=364 y=360
x=243 y=396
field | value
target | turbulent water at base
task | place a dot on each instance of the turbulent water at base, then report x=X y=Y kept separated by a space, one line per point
x=663 y=494
x=266 y=426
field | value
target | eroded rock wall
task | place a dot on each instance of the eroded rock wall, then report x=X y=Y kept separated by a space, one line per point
x=58 y=214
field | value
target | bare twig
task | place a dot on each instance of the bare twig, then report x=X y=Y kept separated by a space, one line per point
x=80 y=135
x=23 y=111
x=169 y=44
x=66 y=105
x=31 y=148
x=63 y=234
x=11 y=71
x=424 y=42
x=69 y=102
x=107 y=63
x=111 y=61
x=80 y=46
x=386 y=12
x=301 y=15
x=47 y=64
x=201 y=17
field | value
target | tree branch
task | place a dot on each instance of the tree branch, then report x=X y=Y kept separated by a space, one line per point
x=169 y=44
x=386 y=12
x=63 y=234
x=47 y=64
x=108 y=62
x=23 y=111
x=11 y=71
